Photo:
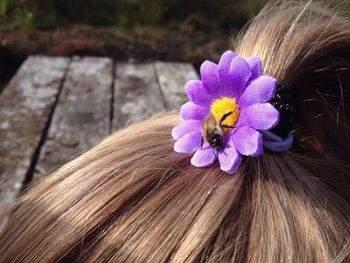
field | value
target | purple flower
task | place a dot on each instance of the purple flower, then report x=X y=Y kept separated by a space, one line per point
x=226 y=113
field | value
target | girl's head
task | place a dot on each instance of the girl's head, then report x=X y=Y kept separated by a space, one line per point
x=133 y=199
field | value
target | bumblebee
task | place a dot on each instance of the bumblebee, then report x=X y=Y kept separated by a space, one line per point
x=213 y=130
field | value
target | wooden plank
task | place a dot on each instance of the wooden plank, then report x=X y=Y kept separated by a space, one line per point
x=172 y=79
x=82 y=115
x=137 y=95
x=25 y=106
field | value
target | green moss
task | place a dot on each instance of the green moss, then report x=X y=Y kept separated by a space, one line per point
x=129 y=13
x=3 y=6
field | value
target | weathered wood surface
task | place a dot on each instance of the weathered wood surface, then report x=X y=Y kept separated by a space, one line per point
x=172 y=79
x=25 y=106
x=84 y=112
x=137 y=94
x=82 y=115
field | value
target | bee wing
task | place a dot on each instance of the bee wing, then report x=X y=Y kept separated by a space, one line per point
x=209 y=123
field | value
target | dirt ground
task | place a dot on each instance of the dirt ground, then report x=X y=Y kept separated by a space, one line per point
x=137 y=45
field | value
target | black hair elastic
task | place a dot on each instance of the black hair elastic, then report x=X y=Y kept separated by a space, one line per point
x=283 y=102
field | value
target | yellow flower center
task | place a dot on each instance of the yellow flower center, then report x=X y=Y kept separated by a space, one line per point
x=223 y=106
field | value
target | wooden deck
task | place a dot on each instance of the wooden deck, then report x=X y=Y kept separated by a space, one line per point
x=56 y=107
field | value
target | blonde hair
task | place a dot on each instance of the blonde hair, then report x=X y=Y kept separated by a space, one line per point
x=133 y=199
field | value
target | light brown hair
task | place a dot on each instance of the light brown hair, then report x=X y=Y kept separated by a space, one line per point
x=133 y=199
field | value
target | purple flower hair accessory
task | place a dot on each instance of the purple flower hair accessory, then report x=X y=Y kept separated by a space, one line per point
x=228 y=113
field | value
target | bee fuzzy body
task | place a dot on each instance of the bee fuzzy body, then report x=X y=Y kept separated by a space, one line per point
x=213 y=133
x=213 y=130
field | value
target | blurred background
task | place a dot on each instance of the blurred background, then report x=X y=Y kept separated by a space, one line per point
x=127 y=30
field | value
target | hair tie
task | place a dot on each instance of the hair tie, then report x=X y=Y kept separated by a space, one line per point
x=279 y=139
x=232 y=112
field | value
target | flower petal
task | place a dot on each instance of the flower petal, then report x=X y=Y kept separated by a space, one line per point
x=182 y=129
x=224 y=69
x=229 y=159
x=270 y=136
x=191 y=111
x=260 y=116
x=204 y=157
x=255 y=67
x=259 y=90
x=197 y=93
x=279 y=146
x=247 y=141
x=210 y=78
x=239 y=75
x=189 y=143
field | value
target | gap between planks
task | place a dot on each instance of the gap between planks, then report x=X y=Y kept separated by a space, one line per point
x=97 y=96
x=82 y=115
x=25 y=106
